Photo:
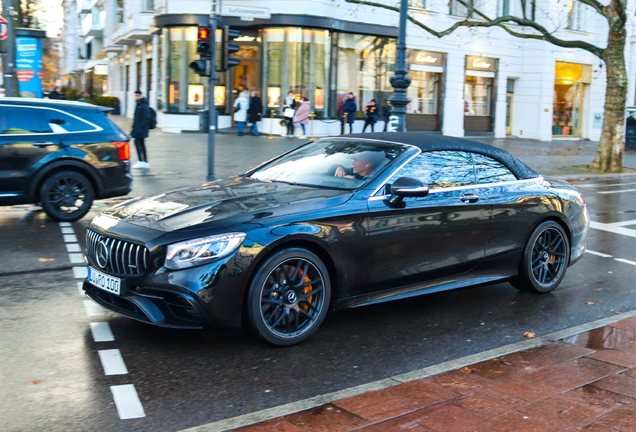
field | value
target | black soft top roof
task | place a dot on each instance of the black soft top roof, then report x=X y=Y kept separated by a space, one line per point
x=427 y=141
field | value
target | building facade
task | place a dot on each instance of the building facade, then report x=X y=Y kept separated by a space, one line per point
x=472 y=82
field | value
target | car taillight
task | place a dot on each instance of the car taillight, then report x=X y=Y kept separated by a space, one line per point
x=124 y=150
x=581 y=199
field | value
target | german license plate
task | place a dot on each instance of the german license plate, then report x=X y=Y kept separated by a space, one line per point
x=104 y=281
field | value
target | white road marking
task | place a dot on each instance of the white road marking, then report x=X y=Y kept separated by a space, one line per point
x=80 y=289
x=68 y=230
x=76 y=258
x=625 y=261
x=80 y=272
x=112 y=362
x=92 y=309
x=593 y=185
x=598 y=254
x=70 y=238
x=65 y=224
x=616 y=192
x=101 y=332
x=73 y=247
x=127 y=402
x=624 y=223
x=613 y=229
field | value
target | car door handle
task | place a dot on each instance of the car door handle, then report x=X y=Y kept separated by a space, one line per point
x=469 y=198
x=44 y=143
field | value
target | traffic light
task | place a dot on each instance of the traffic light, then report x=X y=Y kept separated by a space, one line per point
x=228 y=47
x=202 y=66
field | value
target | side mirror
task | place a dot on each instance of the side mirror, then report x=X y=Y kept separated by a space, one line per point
x=406 y=187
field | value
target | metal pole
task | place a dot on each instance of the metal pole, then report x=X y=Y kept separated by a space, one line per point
x=211 y=105
x=9 y=57
x=401 y=81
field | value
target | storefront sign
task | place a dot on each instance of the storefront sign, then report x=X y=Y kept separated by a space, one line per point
x=28 y=57
x=245 y=12
x=426 y=58
x=481 y=63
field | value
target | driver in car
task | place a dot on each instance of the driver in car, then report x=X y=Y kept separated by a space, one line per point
x=363 y=166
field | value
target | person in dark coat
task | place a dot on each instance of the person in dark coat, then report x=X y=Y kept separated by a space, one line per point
x=255 y=112
x=140 y=129
x=57 y=93
x=370 y=115
x=386 y=112
x=350 y=107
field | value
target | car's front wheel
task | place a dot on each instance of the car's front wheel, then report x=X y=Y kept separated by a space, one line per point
x=66 y=196
x=289 y=297
x=545 y=259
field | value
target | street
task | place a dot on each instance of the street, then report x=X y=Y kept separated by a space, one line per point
x=70 y=365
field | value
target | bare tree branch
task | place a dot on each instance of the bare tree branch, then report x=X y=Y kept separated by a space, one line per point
x=501 y=22
x=597 y=6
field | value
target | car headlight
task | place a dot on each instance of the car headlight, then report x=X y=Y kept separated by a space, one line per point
x=203 y=250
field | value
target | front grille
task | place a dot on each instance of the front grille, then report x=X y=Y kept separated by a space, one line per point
x=123 y=258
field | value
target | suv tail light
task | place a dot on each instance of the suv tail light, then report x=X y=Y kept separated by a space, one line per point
x=581 y=199
x=124 y=150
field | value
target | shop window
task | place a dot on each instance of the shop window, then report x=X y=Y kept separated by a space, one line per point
x=570 y=83
x=477 y=95
x=423 y=92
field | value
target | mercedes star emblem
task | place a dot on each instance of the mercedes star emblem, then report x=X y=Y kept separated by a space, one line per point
x=101 y=254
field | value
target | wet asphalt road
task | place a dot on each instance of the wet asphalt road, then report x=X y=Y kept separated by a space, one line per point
x=52 y=378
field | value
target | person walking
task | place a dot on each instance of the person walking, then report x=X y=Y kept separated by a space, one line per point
x=288 y=112
x=370 y=115
x=301 y=116
x=386 y=113
x=255 y=112
x=350 y=107
x=57 y=93
x=140 y=129
x=241 y=105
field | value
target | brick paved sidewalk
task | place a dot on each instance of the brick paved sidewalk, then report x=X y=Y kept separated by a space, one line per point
x=586 y=382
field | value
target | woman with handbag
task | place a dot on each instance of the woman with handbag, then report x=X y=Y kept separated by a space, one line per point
x=288 y=113
x=241 y=105
x=301 y=116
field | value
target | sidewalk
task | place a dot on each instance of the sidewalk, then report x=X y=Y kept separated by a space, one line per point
x=586 y=382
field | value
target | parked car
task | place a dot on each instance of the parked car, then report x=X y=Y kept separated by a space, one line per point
x=338 y=223
x=62 y=155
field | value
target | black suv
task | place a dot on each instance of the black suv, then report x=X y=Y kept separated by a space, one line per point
x=62 y=155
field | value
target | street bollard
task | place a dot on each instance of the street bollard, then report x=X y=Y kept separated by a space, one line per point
x=312 y=116
x=271 y=125
x=344 y=123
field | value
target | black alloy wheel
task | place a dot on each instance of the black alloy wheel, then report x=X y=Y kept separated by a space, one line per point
x=289 y=297
x=546 y=258
x=66 y=196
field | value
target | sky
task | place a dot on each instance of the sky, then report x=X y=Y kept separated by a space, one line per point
x=52 y=16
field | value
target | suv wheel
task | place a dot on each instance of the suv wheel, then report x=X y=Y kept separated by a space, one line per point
x=66 y=196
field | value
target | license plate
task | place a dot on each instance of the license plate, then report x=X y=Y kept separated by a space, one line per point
x=104 y=281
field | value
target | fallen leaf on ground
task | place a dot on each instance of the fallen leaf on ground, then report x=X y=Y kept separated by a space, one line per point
x=46 y=259
x=589 y=303
x=598 y=289
x=529 y=335
x=513 y=302
x=34 y=382
x=469 y=369
x=617 y=312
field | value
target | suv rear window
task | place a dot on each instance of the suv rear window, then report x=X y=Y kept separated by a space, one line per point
x=22 y=120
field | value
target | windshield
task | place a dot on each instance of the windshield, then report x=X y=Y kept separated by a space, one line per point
x=337 y=164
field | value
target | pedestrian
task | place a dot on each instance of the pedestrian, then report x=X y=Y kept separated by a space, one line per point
x=57 y=93
x=350 y=107
x=370 y=115
x=301 y=116
x=141 y=126
x=288 y=112
x=386 y=113
x=241 y=105
x=255 y=112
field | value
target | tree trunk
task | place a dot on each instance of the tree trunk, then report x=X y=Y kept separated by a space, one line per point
x=609 y=154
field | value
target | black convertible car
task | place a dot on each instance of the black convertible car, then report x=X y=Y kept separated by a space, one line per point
x=338 y=223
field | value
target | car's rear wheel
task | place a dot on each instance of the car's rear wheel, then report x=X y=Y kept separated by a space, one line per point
x=289 y=297
x=66 y=196
x=545 y=259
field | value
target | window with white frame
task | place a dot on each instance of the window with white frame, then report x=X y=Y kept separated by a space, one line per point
x=417 y=4
x=149 y=5
x=120 y=11
x=505 y=7
x=577 y=15
x=463 y=8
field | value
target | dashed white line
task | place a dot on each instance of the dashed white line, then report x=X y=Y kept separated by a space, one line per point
x=73 y=247
x=70 y=238
x=68 y=230
x=65 y=224
x=92 y=309
x=616 y=192
x=598 y=254
x=593 y=185
x=80 y=272
x=80 y=288
x=101 y=332
x=76 y=258
x=127 y=402
x=625 y=261
x=112 y=362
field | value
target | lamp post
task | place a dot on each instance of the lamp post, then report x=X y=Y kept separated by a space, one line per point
x=401 y=81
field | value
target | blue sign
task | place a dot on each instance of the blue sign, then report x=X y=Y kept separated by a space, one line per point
x=28 y=59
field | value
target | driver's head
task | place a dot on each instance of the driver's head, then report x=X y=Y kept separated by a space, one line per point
x=366 y=163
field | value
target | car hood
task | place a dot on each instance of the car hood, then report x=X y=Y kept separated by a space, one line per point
x=222 y=203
